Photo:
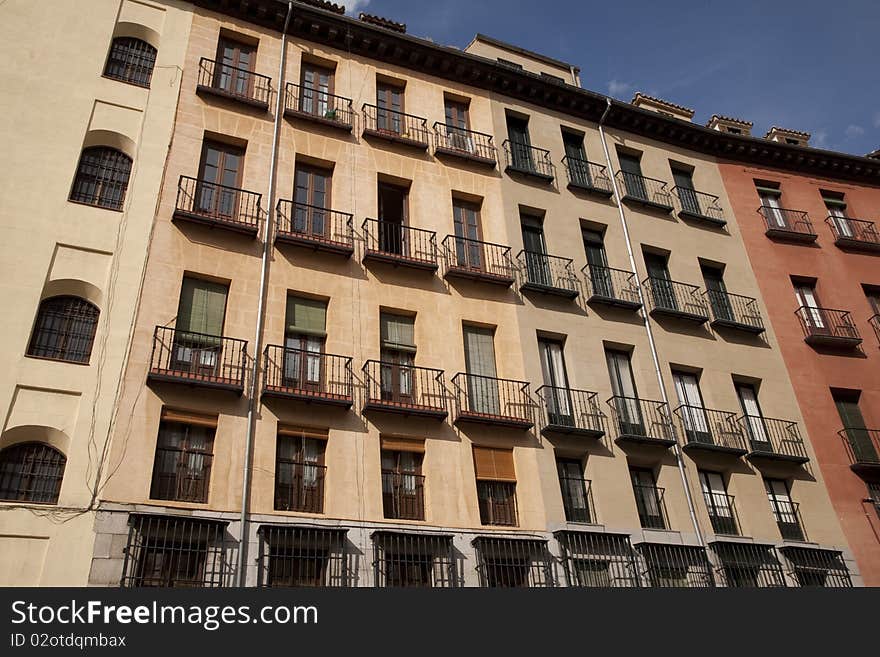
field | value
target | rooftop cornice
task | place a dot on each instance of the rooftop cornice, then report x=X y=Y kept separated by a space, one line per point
x=362 y=39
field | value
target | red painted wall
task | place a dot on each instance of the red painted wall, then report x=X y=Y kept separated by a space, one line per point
x=840 y=276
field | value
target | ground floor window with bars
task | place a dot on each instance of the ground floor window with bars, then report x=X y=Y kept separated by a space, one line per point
x=748 y=565
x=593 y=559
x=403 y=559
x=169 y=551
x=302 y=556
x=812 y=567
x=513 y=562
x=675 y=566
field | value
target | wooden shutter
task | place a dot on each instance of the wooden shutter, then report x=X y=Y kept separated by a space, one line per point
x=307 y=316
x=397 y=331
x=494 y=464
x=202 y=306
x=400 y=444
x=189 y=417
x=479 y=351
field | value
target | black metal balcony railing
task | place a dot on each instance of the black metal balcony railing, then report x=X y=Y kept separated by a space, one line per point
x=706 y=427
x=548 y=274
x=475 y=260
x=785 y=224
x=395 y=243
x=673 y=299
x=489 y=400
x=613 y=287
x=722 y=512
x=875 y=324
x=827 y=327
x=699 y=206
x=299 y=487
x=587 y=176
x=459 y=142
x=644 y=191
x=312 y=226
x=773 y=438
x=234 y=82
x=528 y=160
x=320 y=106
x=395 y=126
x=218 y=205
x=407 y=389
x=748 y=565
x=855 y=234
x=651 y=506
x=497 y=503
x=788 y=519
x=642 y=420
x=190 y=357
x=181 y=475
x=862 y=446
x=577 y=499
x=571 y=411
x=307 y=375
x=734 y=311
x=403 y=495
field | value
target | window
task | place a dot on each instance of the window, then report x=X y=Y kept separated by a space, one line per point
x=633 y=180
x=397 y=354
x=597 y=260
x=713 y=277
x=184 y=453
x=649 y=498
x=538 y=268
x=403 y=494
x=131 y=60
x=769 y=193
x=862 y=448
x=836 y=206
x=496 y=486
x=684 y=183
x=718 y=503
x=302 y=556
x=311 y=201
x=389 y=108
x=479 y=357
x=235 y=65
x=198 y=347
x=576 y=159
x=31 y=472
x=64 y=330
x=299 y=470
x=784 y=510
x=575 y=490
x=628 y=411
x=676 y=566
x=873 y=297
x=101 y=178
x=468 y=234
x=597 y=559
x=409 y=559
x=759 y=437
x=692 y=412
x=661 y=289
x=513 y=563
x=814 y=567
x=520 y=143
x=393 y=217
x=812 y=314
x=316 y=87
x=220 y=173
x=792 y=142
x=745 y=565
x=458 y=125
x=734 y=131
x=304 y=344
x=559 y=403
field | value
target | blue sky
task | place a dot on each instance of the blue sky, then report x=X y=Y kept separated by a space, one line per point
x=809 y=65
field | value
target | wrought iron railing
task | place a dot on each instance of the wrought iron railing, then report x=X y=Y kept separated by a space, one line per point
x=577 y=499
x=489 y=399
x=644 y=190
x=641 y=419
x=320 y=105
x=497 y=502
x=302 y=556
x=395 y=125
x=569 y=409
x=465 y=143
x=469 y=257
x=527 y=159
x=299 y=486
x=734 y=309
x=235 y=82
x=312 y=224
x=675 y=566
x=651 y=506
x=788 y=519
x=182 y=475
x=407 y=388
x=598 y=559
x=202 y=200
x=747 y=565
x=706 y=426
x=668 y=296
x=614 y=284
x=198 y=357
x=410 y=559
x=771 y=436
x=403 y=495
x=862 y=445
x=307 y=374
x=825 y=323
x=847 y=229
x=783 y=220
x=587 y=175
x=543 y=271
x=722 y=512
x=388 y=240
x=698 y=204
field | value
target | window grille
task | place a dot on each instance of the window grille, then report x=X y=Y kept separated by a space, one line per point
x=671 y=566
x=31 y=472
x=593 y=559
x=101 y=178
x=513 y=562
x=747 y=565
x=812 y=567
x=131 y=60
x=64 y=330
x=296 y=555
x=403 y=559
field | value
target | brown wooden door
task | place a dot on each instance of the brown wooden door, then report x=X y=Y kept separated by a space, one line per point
x=389 y=109
x=468 y=249
x=234 y=67
x=220 y=169
x=311 y=214
x=316 y=86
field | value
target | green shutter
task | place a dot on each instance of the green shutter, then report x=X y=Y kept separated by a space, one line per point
x=772 y=191
x=397 y=332
x=835 y=201
x=306 y=316
x=202 y=307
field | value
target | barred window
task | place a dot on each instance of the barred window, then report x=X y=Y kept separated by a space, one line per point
x=302 y=556
x=671 y=566
x=64 y=330
x=812 y=567
x=513 y=562
x=131 y=60
x=182 y=469
x=31 y=472
x=597 y=559
x=172 y=551
x=404 y=559
x=746 y=565
x=101 y=177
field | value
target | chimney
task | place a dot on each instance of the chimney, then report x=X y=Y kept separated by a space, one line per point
x=790 y=137
x=378 y=21
x=662 y=107
x=730 y=125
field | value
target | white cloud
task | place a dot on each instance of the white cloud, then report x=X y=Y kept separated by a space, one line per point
x=877 y=119
x=354 y=6
x=852 y=131
x=820 y=138
x=617 y=89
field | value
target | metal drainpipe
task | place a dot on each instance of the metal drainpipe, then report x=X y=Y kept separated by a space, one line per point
x=632 y=261
x=258 y=342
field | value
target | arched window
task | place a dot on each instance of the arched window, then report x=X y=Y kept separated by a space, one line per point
x=131 y=60
x=101 y=177
x=65 y=329
x=31 y=472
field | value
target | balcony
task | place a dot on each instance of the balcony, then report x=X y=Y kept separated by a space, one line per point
x=571 y=412
x=577 y=499
x=722 y=513
x=198 y=359
x=675 y=300
x=234 y=83
x=528 y=161
x=641 y=422
x=773 y=439
x=299 y=487
x=318 y=107
x=307 y=376
x=547 y=274
x=788 y=519
x=710 y=430
x=468 y=145
x=395 y=127
x=824 y=327
x=617 y=288
x=473 y=260
x=218 y=206
x=645 y=192
x=699 y=206
x=863 y=448
x=399 y=245
x=492 y=401
x=586 y=176
x=404 y=389
x=735 y=312
x=403 y=495
x=787 y=225
x=854 y=234
x=651 y=507
x=312 y=227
